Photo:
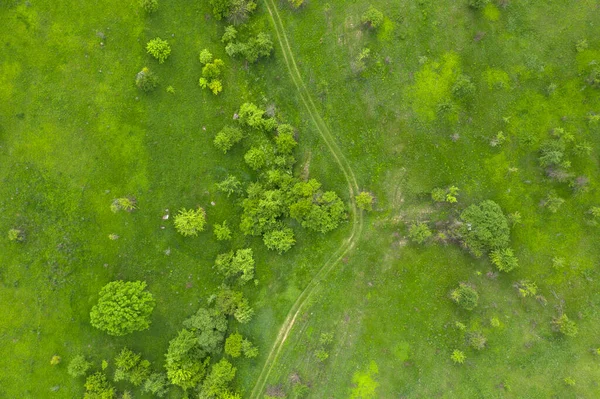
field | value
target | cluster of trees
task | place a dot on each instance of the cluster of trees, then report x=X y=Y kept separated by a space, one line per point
x=277 y=194
x=235 y=11
x=259 y=46
x=211 y=72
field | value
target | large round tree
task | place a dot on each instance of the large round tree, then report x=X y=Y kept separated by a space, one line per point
x=123 y=307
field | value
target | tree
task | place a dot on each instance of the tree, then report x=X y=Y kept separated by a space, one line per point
x=149 y=6
x=319 y=212
x=205 y=56
x=478 y=4
x=552 y=202
x=476 y=340
x=364 y=200
x=78 y=366
x=372 y=18
x=159 y=49
x=216 y=384
x=233 y=303
x=465 y=296
x=485 y=227
x=189 y=222
x=229 y=35
x=220 y=8
x=98 y=387
x=131 y=367
x=239 y=265
x=504 y=259
x=222 y=232
x=231 y=185
x=209 y=326
x=280 y=240
x=123 y=307
x=255 y=158
x=419 y=232
x=156 y=384
x=240 y=10
x=146 y=80
x=227 y=138
x=184 y=360
x=211 y=73
x=285 y=141
x=233 y=345
x=565 y=326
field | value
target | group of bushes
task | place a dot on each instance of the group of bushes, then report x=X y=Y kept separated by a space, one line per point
x=277 y=194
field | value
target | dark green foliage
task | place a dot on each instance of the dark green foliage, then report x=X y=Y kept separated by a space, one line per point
x=484 y=227
x=227 y=138
x=465 y=296
x=280 y=240
x=149 y=6
x=463 y=87
x=565 y=326
x=240 y=10
x=98 y=387
x=372 y=18
x=504 y=259
x=233 y=303
x=210 y=327
x=478 y=4
x=256 y=47
x=318 y=211
x=123 y=307
x=146 y=80
x=419 y=232
x=240 y=265
x=216 y=384
x=156 y=384
x=78 y=366
x=184 y=360
x=594 y=78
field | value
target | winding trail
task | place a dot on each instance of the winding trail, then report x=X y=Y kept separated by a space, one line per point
x=357 y=217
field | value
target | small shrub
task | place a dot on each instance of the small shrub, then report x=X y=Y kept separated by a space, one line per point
x=495 y=322
x=569 y=381
x=581 y=45
x=514 y=218
x=476 y=340
x=372 y=18
x=526 y=288
x=227 y=138
x=55 y=360
x=438 y=195
x=295 y=3
x=321 y=355
x=458 y=356
x=594 y=78
x=78 y=366
x=463 y=87
x=149 y=6
x=222 y=232
x=146 y=80
x=478 y=4
x=465 y=296
x=16 y=235
x=128 y=204
x=229 y=35
x=504 y=259
x=249 y=350
x=552 y=202
x=205 y=57
x=281 y=240
x=364 y=200
x=565 y=326
x=419 y=232
x=159 y=49
x=189 y=222
x=558 y=263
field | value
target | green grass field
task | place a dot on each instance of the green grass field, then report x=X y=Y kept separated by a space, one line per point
x=75 y=133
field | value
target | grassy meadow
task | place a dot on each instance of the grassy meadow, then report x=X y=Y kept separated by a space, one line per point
x=75 y=133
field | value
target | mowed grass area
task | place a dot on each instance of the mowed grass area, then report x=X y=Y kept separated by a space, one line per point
x=75 y=134
x=405 y=134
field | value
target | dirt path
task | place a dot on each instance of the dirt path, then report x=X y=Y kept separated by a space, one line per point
x=356 y=215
